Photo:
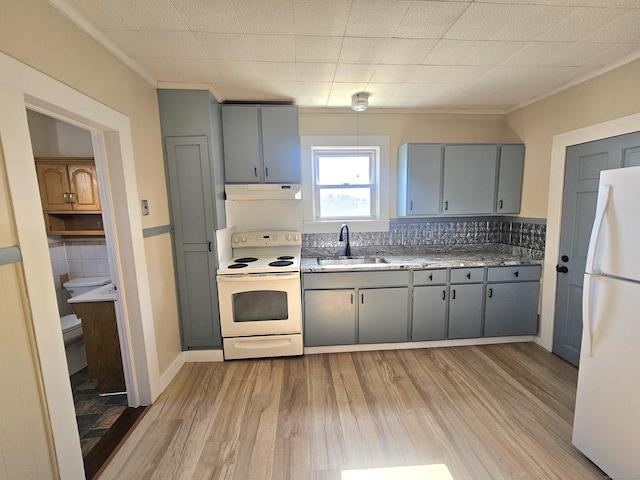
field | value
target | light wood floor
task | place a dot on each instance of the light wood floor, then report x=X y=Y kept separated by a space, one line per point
x=489 y=412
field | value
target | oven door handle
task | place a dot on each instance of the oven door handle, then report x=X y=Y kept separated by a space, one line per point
x=262 y=277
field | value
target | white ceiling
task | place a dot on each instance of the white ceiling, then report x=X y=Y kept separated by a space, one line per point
x=473 y=55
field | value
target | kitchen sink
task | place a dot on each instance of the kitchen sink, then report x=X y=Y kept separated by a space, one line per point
x=350 y=260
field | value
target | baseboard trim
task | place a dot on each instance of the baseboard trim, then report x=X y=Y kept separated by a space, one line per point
x=169 y=374
x=413 y=345
x=191 y=356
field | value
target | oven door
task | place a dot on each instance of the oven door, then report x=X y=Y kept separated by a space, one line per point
x=259 y=304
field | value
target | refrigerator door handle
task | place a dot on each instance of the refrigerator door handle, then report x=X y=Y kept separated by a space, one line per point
x=587 y=317
x=603 y=201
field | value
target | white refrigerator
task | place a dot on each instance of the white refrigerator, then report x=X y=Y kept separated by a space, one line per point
x=607 y=414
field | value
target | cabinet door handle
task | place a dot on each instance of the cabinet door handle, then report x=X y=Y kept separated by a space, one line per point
x=65 y=195
x=255 y=171
x=210 y=246
x=501 y=203
x=453 y=295
x=352 y=299
x=444 y=294
x=516 y=273
x=490 y=292
x=431 y=277
x=446 y=205
x=469 y=275
x=266 y=171
x=72 y=197
x=411 y=205
x=362 y=298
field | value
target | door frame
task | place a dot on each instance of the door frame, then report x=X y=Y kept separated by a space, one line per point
x=611 y=128
x=23 y=87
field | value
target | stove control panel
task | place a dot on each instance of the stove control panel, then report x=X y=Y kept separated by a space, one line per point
x=280 y=238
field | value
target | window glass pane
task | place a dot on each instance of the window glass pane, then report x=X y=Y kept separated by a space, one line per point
x=345 y=202
x=344 y=170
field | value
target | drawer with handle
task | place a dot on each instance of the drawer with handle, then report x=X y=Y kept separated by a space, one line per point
x=467 y=275
x=516 y=273
x=430 y=277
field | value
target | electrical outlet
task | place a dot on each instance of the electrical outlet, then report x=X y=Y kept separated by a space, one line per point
x=428 y=234
x=145 y=208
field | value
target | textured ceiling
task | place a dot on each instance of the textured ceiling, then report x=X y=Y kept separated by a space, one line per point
x=481 y=55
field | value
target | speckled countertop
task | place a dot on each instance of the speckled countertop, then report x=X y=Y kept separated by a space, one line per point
x=423 y=261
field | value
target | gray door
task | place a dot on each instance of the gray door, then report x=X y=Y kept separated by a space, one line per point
x=193 y=222
x=582 y=174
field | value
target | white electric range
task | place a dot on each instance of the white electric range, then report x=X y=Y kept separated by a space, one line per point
x=259 y=295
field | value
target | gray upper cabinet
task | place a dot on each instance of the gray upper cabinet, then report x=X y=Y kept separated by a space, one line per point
x=419 y=179
x=510 y=178
x=459 y=179
x=469 y=179
x=261 y=143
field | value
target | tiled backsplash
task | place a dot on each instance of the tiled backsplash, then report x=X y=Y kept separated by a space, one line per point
x=76 y=259
x=524 y=238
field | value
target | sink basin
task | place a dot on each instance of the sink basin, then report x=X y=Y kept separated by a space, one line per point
x=350 y=260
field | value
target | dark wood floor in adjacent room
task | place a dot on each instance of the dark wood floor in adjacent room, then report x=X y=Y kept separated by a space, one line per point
x=485 y=412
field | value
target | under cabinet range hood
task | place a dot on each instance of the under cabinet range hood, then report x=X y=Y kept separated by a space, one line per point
x=263 y=191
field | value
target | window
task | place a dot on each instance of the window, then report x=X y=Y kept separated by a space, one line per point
x=345 y=182
x=374 y=183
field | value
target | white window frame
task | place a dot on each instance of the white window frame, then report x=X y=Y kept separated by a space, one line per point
x=380 y=223
x=372 y=184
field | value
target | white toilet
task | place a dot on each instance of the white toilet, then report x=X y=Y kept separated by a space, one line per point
x=71 y=325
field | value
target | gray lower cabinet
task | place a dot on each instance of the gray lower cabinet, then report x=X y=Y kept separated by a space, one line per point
x=430 y=304
x=465 y=311
x=329 y=317
x=373 y=307
x=356 y=307
x=382 y=315
x=512 y=298
x=429 y=313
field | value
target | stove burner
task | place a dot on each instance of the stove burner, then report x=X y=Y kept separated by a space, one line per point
x=286 y=257
x=246 y=260
x=238 y=265
x=281 y=263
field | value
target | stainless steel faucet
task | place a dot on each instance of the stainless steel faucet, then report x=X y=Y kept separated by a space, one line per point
x=347 y=250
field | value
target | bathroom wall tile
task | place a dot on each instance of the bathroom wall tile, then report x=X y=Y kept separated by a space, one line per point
x=102 y=266
x=89 y=267
x=101 y=251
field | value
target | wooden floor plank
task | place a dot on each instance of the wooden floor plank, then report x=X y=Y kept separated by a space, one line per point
x=486 y=412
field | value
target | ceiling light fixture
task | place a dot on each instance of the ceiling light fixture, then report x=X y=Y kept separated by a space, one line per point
x=360 y=101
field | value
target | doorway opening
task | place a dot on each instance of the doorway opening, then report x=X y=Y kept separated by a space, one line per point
x=79 y=250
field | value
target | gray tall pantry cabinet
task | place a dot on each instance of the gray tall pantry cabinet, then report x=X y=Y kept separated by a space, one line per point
x=191 y=127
